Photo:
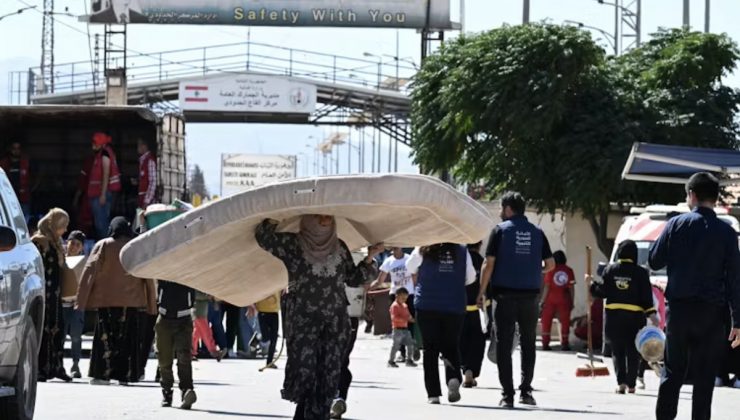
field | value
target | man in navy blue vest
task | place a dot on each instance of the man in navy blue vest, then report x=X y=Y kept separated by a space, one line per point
x=701 y=253
x=514 y=266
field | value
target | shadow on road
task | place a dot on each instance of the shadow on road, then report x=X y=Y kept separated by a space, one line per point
x=249 y=415
x=550 y=410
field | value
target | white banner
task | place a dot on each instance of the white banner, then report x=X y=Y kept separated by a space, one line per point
x=241 y=172
x=248 y=94
x=417 y=14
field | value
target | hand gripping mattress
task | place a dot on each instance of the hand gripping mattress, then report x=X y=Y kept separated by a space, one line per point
x=213 y=249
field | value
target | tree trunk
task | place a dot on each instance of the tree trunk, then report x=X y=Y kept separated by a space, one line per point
x=599 y=225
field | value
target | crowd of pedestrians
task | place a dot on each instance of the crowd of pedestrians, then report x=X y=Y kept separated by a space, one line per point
x=446 y=301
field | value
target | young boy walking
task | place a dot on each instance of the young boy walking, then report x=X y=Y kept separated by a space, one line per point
x=174 y=330
x=400 y=318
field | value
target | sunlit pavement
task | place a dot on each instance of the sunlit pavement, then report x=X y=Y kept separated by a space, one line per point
x=235 y=389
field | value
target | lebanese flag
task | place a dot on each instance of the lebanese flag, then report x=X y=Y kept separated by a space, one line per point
x=196 y=93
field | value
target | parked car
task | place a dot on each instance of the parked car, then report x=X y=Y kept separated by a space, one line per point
x=21 y=309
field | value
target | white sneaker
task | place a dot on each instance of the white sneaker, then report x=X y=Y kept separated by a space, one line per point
x=99 y=382
x=453 y=391
x=433 y=400
x=641 y=383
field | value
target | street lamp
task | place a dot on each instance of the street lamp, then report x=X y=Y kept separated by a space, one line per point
x=17 y=12
x=609 y=37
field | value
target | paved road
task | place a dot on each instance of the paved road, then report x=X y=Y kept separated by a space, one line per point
x=234 y=389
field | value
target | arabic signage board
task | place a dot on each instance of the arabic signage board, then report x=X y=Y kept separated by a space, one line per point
x=413 y=14
x=248 y=94
x=241 y=172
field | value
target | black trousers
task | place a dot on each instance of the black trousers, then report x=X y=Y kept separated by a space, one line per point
x=441 y=334
x=146 y=338
x=621 y=329
x=695 y=336
x=510 y=311
x=345 y=378
x=231 y=313
x=472 y=344
x=412 y=310
x=269 y=324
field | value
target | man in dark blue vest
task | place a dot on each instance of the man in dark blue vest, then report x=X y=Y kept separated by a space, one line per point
x=514 y=266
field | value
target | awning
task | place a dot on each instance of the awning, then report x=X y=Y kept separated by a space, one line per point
x=675 y=164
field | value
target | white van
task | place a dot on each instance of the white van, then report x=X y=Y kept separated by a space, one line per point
x=645 y=225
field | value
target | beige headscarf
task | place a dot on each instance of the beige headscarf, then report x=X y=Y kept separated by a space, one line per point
x=317 y=242
x=46 y=236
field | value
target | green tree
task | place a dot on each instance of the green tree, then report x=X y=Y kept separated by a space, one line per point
x=542 y=110
x=198 y=182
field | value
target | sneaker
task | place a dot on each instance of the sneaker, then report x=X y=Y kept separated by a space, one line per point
x=507 y=402
x=188 y=399
x=622 y=389
x=417 y=355
x=631 y=390
x=526 y=398
x=641 y=383
x=433 y=400
x=546 y=347
x=166 y=398
x=99 y=382
x=565 y=347
x=338 y=407
x=76 y=371
x=453 y=390
x=63 y=376
x=401 y=359
x=410 y=363
x=469 y=379
x=392 y=364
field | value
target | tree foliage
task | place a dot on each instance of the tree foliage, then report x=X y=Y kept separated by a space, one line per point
x=542 y=110
x=198 y=182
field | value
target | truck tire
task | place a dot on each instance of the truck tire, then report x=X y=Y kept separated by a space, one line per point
x=22 y=405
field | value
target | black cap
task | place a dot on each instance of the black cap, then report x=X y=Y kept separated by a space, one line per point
x=77 y=235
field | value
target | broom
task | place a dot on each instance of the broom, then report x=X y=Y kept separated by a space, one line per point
x=590 y=369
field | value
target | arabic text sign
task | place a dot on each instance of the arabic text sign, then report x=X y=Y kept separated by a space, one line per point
x=241 y=172
x=248 y=93
x=417 y=14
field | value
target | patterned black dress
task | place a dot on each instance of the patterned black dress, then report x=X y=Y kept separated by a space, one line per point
x=51 y=353
x=316 y=324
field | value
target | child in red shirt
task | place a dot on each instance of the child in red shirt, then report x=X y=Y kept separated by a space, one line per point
x=400 y=318
x=558 y=298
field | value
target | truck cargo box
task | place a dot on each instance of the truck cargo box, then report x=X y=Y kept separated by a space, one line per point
x=57 y=139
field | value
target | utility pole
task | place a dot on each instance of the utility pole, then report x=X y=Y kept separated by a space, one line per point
x=47 y=47
x=525 y=13
x=706 y=15
x=686 y=16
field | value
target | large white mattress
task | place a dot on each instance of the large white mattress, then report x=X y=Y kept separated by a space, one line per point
x=213 y=249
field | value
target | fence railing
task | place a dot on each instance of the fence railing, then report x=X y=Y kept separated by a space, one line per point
x=370 y=71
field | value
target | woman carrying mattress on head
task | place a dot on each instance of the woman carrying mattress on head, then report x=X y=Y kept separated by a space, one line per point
x=316 y=325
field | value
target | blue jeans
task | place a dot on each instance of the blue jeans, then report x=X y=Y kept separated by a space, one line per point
x=248 y=327
x=101 y=215
x=74 y=322
x=216 y=321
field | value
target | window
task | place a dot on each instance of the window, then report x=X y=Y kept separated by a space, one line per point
x=13 y=209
